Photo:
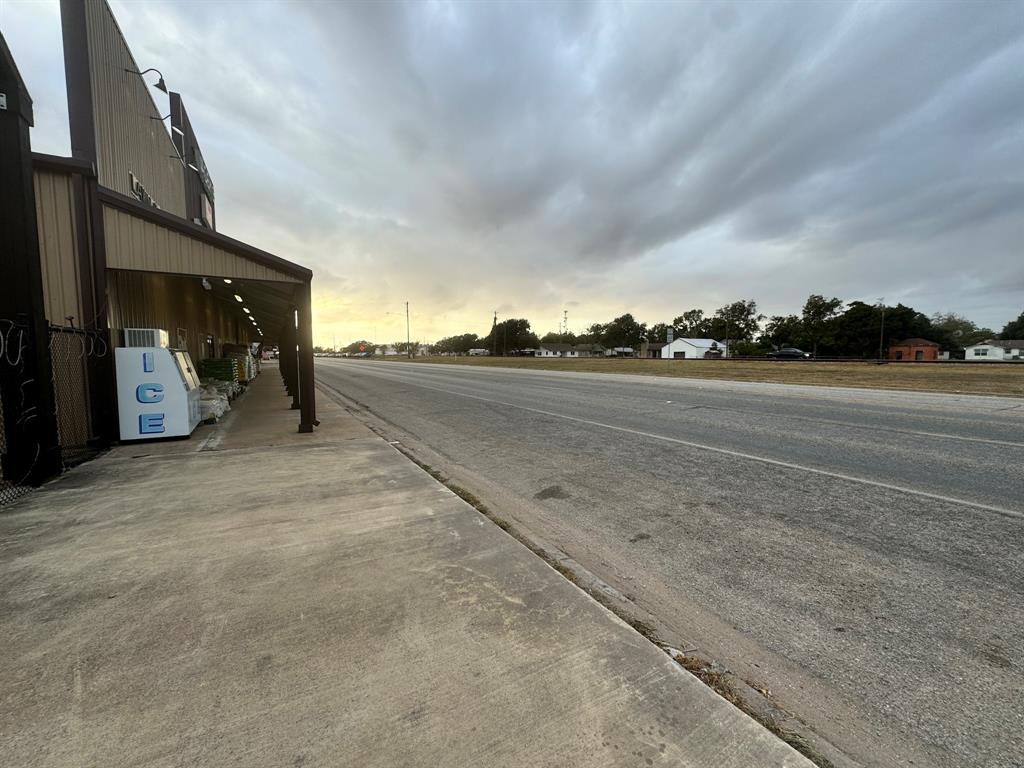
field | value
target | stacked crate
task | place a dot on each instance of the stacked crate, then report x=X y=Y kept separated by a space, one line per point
x=246 y=371
x=220 y=368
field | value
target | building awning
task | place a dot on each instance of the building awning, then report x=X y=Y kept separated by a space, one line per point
x=142 y=238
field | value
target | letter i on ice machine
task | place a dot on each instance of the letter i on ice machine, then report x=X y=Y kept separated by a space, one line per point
x=157 y=387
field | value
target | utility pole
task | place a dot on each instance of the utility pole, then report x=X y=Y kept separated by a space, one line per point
x=408 y=336
x=881 y=332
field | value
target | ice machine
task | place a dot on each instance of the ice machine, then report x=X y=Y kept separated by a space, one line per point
x=157 y=391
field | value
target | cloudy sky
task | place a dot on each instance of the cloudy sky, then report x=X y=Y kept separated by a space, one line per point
x=599 y=158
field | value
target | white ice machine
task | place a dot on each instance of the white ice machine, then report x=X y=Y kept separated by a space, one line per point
x=157 y=392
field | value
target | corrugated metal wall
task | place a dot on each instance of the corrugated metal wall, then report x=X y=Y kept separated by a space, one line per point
x=58 y=252
x=133 y=243
x=178 y=305
x=130 y=137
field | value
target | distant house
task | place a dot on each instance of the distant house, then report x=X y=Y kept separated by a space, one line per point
x=589 y=350
x=690 y=349
x=555 y=349
x=619 y=352
x=914 y=349
x=651 y=349
x=995 y=350
x=479 y=352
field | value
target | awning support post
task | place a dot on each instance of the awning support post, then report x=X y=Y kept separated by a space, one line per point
x=307 y=385
x=289 y=366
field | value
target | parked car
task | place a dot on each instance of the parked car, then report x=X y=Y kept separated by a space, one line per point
x=789 y=353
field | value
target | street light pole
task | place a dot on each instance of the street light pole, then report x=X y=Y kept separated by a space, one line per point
x=881 y=332
x=408 y=337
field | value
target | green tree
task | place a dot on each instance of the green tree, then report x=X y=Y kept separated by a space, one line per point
x=457 y=345
x=658 y=333
x=862 y=329
x=553 y=337
x=510 y=336
x=1013 y=329
x=782 y=331
x=623 y=331
x=857 y=330
x=953 y=331
x=692 y=325
x=748 y=348
x=902 y=322
x=738 y=321
x=818 y=318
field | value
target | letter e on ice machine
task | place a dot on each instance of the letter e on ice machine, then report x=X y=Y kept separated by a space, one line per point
x=157 y=387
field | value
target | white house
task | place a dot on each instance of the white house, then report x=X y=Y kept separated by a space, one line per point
x=995 y=350
x=688 y=349
x=553 y=349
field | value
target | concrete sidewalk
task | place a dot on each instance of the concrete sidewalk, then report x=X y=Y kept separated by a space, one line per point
x=317 y=600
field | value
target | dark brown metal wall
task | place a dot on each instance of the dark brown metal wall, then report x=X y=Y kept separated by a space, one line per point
x=178 y=305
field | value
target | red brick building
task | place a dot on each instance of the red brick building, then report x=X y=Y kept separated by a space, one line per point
x=914 y=349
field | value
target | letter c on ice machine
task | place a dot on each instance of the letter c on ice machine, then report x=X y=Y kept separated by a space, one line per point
x=157 y=387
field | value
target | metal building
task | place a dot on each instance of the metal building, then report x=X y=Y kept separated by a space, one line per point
x=119 y=235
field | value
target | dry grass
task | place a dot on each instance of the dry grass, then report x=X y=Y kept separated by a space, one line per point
x=964 y=378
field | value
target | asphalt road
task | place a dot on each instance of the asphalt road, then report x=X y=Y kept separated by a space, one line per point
x=858 y=553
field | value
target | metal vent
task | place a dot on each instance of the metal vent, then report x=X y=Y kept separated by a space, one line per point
x=145 y=337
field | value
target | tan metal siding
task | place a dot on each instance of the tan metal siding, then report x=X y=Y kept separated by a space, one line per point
x=130 y=137
x=58 y=252
x=178 y=305
x=133 y=243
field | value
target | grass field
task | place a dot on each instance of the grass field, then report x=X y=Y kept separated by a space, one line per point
x=963 y=378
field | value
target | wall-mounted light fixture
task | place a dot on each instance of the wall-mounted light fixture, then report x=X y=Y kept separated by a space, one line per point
x=160 y=84
x=206 y=285
x=174 y=128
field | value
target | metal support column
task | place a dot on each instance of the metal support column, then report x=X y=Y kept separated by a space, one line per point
x=307 y=385
x=289 y=363
x=32 y=452
x=282 y=357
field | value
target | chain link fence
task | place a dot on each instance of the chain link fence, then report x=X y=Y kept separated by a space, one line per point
x=70 y=352
x=13 y=349
x=10 y=487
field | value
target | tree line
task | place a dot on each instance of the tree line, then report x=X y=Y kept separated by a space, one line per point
x=827 y=327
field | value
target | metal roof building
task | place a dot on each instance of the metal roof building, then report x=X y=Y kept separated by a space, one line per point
x=119 y=235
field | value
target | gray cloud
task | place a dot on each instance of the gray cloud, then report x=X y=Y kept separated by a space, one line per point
x=612 y=157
